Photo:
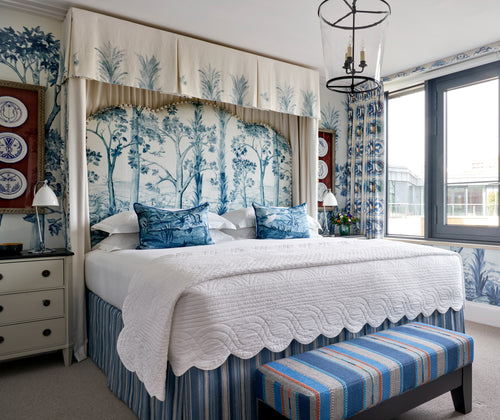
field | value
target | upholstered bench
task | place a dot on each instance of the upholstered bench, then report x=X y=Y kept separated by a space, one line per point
x=377 y=376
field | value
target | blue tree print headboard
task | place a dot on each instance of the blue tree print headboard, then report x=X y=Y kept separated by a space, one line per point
x=180 y=156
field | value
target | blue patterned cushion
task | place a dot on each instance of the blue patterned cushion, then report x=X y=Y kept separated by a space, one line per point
x=160 y=228
x=281 y=222
x=340 y=380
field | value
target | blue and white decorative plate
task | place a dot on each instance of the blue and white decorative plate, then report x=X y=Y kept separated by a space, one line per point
x=322 y=169
x=13 y=112
x=322 y=147
x=321 y=191
x=13 y=148
x=13 y=183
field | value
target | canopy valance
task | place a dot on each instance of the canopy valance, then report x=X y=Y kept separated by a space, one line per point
x=111 y=50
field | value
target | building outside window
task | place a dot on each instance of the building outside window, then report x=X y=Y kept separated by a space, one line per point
x=406 y=162
x=443 y=158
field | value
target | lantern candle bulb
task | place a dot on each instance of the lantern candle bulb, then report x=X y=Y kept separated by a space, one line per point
x=362 y=55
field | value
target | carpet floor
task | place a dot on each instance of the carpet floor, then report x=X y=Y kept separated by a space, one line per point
x=41 y=388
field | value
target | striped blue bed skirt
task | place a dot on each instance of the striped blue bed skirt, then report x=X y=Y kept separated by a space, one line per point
x=227 y=392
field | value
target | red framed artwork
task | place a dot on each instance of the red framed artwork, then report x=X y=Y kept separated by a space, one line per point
x=326 y=163
x=21 y=145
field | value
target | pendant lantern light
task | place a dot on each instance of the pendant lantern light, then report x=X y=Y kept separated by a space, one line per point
x=352 y=33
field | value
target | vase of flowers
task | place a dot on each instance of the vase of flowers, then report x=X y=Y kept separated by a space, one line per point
x=344 y=221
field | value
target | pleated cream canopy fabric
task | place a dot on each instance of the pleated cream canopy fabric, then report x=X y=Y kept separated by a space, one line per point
x=106 y=49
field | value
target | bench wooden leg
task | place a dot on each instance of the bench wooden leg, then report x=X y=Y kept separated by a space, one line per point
x=462 y=396
x=264 y=412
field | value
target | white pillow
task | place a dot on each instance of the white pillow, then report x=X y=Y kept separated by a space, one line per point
x=126 y=222
x=313 y=224
x=241 y=218
x=218 y=236
x=218 y=222
x=251 y=233
x=245 y=218
x=118 y=241
x=243 y=233
x=313 y=233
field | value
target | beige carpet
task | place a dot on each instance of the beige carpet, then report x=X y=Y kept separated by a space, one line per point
x=41 y=388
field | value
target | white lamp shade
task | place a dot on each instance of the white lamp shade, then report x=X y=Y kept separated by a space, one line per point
x=45 y=197
x=329 y=199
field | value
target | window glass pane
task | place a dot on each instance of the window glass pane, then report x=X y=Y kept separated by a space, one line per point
x=406 y=164
x=472 y=155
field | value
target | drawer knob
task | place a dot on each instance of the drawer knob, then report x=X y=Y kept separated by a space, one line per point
x=1 y=276
x=47 y=332
x=1 y=308
x=46 y=273
x=46 y=302
x=1 y=339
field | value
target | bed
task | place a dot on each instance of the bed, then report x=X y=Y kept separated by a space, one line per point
x=199 y=320
x=226 y=391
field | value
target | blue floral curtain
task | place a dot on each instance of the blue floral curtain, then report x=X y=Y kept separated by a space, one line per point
x=366 y=162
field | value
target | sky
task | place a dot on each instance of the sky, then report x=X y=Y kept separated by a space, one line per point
x=472 y=131
x=406 y=132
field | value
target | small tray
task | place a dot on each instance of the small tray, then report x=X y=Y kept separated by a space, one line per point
x=11 y=248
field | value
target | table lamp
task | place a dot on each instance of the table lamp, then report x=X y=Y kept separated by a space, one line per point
x=329 y=200
x=42 y=198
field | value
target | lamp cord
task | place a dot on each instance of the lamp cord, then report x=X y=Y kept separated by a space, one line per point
x=325 y=225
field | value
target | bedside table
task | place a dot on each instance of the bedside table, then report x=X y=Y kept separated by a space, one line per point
x=34 y=304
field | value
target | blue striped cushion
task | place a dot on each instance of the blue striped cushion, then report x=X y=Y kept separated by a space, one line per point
x=340 y=380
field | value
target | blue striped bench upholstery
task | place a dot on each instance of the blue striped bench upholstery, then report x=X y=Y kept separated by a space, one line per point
x=380 y=371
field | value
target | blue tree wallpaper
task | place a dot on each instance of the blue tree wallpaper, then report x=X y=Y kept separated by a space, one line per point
x=30 y=53
x=481 y=273
x=181 y=156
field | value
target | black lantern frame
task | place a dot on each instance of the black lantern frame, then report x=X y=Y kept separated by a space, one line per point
x=354 y=79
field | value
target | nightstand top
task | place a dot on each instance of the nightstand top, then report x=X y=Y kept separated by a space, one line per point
x=58 y=252
x=345 y=236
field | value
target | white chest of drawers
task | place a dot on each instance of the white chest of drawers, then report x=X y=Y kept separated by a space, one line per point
x=34 y=304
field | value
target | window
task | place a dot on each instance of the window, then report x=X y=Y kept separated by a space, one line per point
x=463 y=138
x=406 y=162
x=443 y=157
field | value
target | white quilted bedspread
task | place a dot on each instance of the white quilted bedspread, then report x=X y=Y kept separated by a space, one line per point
x=200 y=305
